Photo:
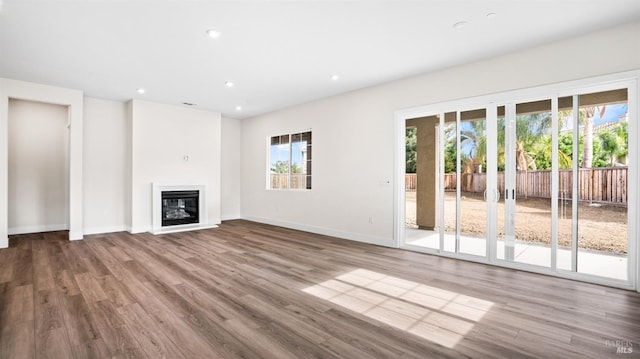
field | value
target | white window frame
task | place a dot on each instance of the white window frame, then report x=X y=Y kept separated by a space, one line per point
x=306 y=158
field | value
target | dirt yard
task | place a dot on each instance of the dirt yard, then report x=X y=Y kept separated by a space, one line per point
x=600 y=227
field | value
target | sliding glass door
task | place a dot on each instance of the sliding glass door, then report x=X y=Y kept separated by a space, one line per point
x=539 y=183
x=526 y=178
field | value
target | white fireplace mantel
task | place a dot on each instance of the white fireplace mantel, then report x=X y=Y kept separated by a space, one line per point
x=156 y=203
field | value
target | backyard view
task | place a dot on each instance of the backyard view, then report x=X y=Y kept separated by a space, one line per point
x=601 y=171
x=602 y=228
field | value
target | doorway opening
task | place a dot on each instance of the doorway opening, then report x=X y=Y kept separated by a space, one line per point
x=38 y=173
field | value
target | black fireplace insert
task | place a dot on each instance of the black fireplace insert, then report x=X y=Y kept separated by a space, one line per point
x=180 y=207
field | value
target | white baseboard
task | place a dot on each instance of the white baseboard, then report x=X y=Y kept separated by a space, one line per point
x=37 y=229
x=139 y=229
x=230 y=217
x=183 y=228
x=76 y=236
x=358 y=237
x=105 y=229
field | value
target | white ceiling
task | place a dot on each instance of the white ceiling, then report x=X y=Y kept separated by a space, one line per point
x=277 y=53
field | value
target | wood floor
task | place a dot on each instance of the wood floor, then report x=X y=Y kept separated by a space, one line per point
x=248 y=290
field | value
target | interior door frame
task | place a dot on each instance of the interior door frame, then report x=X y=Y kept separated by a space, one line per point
x=628 y=79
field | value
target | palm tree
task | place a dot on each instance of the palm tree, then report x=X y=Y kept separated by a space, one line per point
x=587 y=154
x=587 y=114
x=530 y=130
x=475 y=138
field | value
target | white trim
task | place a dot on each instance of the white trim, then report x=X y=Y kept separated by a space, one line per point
x=575 y=169
x=55 y=95
x=380 y=241
x=4 y=169
x=105 y=229
x=139 y=229
x=554 y=182
x=399 y=193
x=491 y=191
x=440 y=199
x=183 y=228
x=38 y=229
x=634 y=177
x=230 y=217
x=524 y=267
x=585 y=85
x=458 y=185
x=203 y=218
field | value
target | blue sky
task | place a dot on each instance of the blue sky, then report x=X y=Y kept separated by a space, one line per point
x=612 y=114
x=281 y=153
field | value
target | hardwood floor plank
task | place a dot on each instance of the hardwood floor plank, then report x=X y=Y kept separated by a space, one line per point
x=153 y=342
x=64 y=281
x=118 y=294
x=185 y=337
x=118 y=339
x=42 y=274
x=19 y=343
x=84 y=337
x=89 y=287
x=53 y=344
x=17 y=337
x=92 y=262
x=22 y=265
x=94 y=348
x=47 y=312
x=251 y=290
x=6 y=269
x=74 y=263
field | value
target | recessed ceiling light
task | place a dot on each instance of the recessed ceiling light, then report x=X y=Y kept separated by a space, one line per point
x=335 y=77
x=460 y=24
x=213 y=33
x=140 y=90
x=238 y=108
x=229 y=84
x=491 y=15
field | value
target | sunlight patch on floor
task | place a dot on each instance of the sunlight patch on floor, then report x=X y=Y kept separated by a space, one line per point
x=441 y=316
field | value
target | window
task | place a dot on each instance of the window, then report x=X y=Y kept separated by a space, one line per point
x=290 y=161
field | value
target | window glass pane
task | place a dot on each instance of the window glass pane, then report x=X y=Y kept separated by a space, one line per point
x=279 y=166
x=602 y=184
x=473 y=164
x=298 y=162
x=290 y=161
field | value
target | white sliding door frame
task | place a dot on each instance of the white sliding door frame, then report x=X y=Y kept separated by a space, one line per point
x=627 y=80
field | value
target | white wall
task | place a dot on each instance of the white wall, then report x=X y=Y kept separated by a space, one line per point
x=55 y=95
x=353 y=134
x=230 y=170
x=162 y=135
x=105 y=166
x=38 y=167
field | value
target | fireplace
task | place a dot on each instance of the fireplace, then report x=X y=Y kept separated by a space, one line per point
x=180 y=207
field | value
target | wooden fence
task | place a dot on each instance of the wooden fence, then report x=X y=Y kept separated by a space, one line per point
x=283 y=180
x=595 y=184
